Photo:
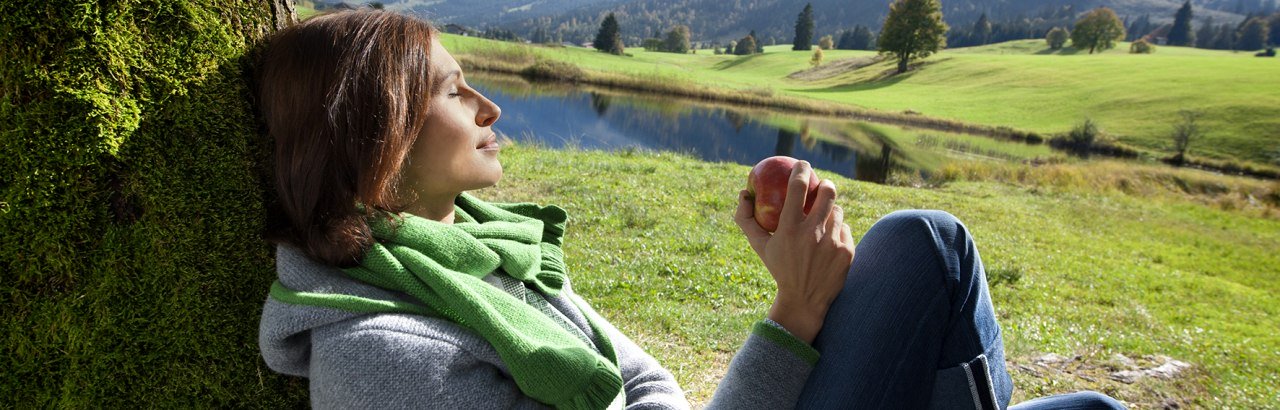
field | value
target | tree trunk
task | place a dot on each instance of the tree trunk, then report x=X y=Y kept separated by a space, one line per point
x=129 y=227
x=902 y=63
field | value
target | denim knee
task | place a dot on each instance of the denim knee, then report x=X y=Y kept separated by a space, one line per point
x=1083 y=400
x=928 y=229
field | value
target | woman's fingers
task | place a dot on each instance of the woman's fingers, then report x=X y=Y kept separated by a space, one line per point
x=834 y=224
x=823 y=206
x=797 y=190
x=744 y=216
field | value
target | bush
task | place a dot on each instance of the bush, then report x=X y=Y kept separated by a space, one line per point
x=1142 y=47
x=1057 y=38
x=132 y=206
x=1080 y=139
x=553 y=70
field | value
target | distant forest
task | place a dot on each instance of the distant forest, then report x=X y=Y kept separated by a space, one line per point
x=715 y=22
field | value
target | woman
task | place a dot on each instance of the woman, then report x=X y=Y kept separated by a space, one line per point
x=459 y=303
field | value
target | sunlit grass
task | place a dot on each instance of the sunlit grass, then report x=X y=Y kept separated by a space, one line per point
x=651 y=245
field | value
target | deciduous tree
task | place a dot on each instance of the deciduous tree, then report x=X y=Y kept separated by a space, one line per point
x=913 y=29
x=677 y=40
x=1057 y=38
x=1184 y=133
x=1098 y=29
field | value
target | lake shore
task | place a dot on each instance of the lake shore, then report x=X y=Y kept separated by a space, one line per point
x=563 y=64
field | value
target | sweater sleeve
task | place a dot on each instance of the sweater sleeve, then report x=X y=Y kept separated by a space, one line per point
x=648 y=385
x=768 y=372
x=393 y=369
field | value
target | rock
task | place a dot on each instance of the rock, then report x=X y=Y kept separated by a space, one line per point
x=1050 y=359
x=1169 y=369
x=1127 y=376
x=1123 y=361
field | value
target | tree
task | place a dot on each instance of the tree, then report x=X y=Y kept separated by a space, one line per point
x=1057 y=38
x=982 y=30
x=1226 y=38
x=609 y=38
x=677 y=40
x=1253 y=36
x=817 y=57
x=1141 y=47
x=1206 y=34
x=861 y=39
x=1274 y=23
x=651 y=44
x=759 y=42
x=1181 y=33
x=913 y=29
x=132 y=208
x=826 y=43
x=1184 y=133
x=804 y=29
x=1139 y=27
x=745 y=46
x=1098 y=29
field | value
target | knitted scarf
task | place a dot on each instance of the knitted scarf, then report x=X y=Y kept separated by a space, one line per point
x=442 y=266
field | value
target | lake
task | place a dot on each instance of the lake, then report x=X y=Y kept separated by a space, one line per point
x=560 y=115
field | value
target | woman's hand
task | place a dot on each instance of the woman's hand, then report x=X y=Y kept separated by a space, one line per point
x=808 y=256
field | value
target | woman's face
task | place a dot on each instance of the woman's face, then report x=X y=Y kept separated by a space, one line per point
x=457 y=150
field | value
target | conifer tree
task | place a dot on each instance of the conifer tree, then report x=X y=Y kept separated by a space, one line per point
x=745 y=46
x=1181 y=33
x=1253 y=36
x=913 y=29
x=1205 y=36
x=804 y=29
x=609 y=38
x=982 y=30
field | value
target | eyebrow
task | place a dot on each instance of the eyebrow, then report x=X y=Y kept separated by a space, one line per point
x=440 y=82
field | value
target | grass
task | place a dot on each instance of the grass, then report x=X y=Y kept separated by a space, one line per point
x=1020 y=85
x=1083 y=275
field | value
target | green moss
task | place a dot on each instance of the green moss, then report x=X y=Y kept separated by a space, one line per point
x=129 y=227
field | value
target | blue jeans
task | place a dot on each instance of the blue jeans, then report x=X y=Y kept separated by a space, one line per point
x=914 y=327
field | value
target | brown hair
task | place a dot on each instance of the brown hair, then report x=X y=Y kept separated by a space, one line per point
x=344 y=96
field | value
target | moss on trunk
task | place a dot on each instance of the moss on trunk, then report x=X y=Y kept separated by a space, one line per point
x=131 y=205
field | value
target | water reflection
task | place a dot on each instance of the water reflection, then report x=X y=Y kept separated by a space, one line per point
x=558 y=115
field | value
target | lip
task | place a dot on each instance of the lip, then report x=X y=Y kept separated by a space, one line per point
x=489 y=144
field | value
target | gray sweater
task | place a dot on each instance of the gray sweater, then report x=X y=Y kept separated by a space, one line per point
x=361 y=360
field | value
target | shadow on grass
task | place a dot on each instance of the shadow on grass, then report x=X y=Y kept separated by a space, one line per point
x=725 y=65
x=1065 y=51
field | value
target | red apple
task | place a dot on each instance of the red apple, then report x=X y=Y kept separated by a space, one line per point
x=767 y=186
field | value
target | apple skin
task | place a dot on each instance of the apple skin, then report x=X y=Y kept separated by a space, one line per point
x=767 y=187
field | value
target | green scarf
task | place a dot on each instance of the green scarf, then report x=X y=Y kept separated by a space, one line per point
x=442 y=266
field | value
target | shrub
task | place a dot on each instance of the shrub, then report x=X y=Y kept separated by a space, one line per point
x=1142 y=47
x=1057 y=38
x=553 y=70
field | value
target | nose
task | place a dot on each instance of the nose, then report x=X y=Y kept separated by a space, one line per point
x=488 y=112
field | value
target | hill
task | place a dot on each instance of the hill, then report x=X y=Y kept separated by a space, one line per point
x=773 y=20
x=1019 y=84
x=721 y=21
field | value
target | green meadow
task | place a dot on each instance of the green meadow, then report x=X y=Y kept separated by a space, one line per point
x=1078 y=271
x=1020 y=84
